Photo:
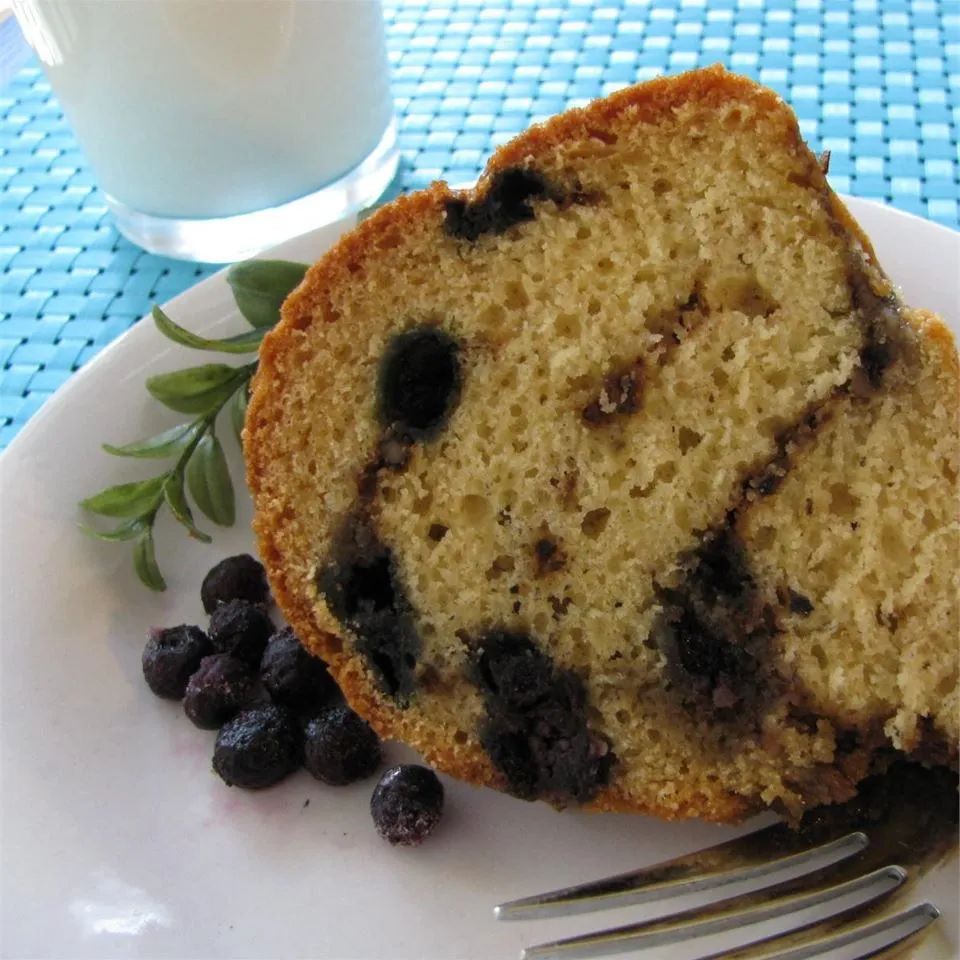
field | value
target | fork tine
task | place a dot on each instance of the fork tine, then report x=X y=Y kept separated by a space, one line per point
x=750 y=856
x=681 y=926
x=899 y=926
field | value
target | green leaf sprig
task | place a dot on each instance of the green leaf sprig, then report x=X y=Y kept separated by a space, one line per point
x=199 y=466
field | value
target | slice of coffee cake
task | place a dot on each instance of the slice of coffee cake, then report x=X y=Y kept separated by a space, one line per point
x=624 y=479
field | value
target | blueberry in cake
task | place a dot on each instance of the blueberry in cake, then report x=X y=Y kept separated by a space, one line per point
x=624 y=479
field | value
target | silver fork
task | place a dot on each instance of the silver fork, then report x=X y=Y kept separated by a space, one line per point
x=850 y=863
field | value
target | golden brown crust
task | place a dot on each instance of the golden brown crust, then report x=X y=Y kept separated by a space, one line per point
x=345 y=263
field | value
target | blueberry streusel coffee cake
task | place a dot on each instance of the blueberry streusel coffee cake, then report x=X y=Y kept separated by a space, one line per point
x=623 y=479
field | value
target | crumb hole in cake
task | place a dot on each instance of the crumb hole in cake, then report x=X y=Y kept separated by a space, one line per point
x=665 y=472
x=819 y=655
x=518 y=417
x=688 y=439
x=389 y=241
x=892 y=545
x=437 y=531
x=584 y=232
x=843 y=503
x=460 y=737
x=622 y=717
x=594 y=306
x=515 y=296
x=764 y=538
x=566 y=325
x=772 y=426
x=733 y=118
x=604 y=136
x=742 y=292
x=501 y=565
x=616 y=479
x=493 y=318
x=475 y=509
x=728 y=354
x=661 y=186
x=946 y=685
x=595 y=522
x=422 y=506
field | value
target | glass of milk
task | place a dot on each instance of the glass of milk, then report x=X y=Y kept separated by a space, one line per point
x=217 y=128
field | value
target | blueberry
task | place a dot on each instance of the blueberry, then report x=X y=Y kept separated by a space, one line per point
x=258 y=748
x=241 y=629
x=537 y=730
x=235 y=578
x=406 y=804
x=171 y=656
x=216 y=692
x=292 y=676
x=340 y=747
x=506 y=202
x=363 y=589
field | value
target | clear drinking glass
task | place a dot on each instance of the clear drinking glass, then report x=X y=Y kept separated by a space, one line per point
x=217 y=128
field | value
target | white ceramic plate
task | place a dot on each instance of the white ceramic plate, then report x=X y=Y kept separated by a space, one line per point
x=119 y=841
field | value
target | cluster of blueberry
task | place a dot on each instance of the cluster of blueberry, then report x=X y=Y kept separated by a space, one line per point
x=275 y=706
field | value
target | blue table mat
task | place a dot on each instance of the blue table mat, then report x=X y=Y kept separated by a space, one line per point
x=873 y=81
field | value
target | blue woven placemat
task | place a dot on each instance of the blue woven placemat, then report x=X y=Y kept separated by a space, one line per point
x=873 y=81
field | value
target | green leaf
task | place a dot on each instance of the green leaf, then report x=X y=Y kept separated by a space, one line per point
x=260 y=287
x=247 y=342
x=177 y=502
x=126 y=531
x=145 y=563
x=208 y=480
x=196 y=389
x=164 y=444
x=127 y=499
x=238 y=412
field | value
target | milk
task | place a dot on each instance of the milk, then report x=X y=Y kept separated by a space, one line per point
x=211 y=108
